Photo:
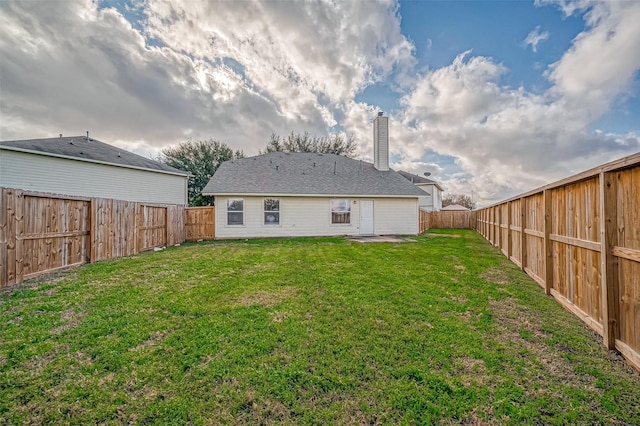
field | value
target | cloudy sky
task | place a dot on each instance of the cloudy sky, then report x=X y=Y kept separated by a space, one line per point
x=494 y=97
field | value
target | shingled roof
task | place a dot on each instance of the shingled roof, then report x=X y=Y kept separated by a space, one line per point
x=281 y=173
x=88 y=149
x=416 y=179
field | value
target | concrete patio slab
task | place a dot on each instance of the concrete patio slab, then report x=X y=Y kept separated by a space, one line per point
x=381 y=239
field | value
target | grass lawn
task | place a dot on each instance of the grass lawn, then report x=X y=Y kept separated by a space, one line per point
x=305 y=331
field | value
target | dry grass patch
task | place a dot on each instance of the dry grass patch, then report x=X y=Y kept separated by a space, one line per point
x=38 y=362
x=70 y=319
x=520 y=328
x=82 y=359
x=511 y=316
x=267 y=298
x=496 y=276
x=279 y=316
x=155 y=338
x=265 y=411
x=14 y=320
x=482 y=416
x=471 y=371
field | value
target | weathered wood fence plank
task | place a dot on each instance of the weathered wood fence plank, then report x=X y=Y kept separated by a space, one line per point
x=4 y=208
x=199 y=223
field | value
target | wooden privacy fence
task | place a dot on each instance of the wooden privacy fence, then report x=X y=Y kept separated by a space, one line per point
x=446 y=219
x=41 y=232
x=579 y=239
x=199 y=223
x=423 y=221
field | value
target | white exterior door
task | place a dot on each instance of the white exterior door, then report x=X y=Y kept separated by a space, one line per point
x=366 y=217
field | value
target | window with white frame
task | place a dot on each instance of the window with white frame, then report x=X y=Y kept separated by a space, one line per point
x=271 y=211
x=235 y=211
x=340 y=211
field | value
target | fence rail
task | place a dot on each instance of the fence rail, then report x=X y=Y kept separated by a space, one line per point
x=579 y=239
x=42 y=232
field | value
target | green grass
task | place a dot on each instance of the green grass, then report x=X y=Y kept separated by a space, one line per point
x=305 y=331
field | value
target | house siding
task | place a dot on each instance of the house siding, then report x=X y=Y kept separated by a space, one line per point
x=40 y=173
x=396 y=216
x=311 y=216
x=433 y=202
x=437 y=199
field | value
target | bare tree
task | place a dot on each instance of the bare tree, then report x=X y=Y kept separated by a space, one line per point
x=460 y=199
x=304 y=142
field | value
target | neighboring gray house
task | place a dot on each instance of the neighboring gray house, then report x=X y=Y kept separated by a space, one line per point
x=309 y=194
x=432 y=201
x=83 y=166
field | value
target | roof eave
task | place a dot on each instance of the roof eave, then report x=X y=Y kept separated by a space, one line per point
x=87 y=160
x=262 y=194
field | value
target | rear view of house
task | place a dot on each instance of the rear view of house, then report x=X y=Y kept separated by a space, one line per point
x=309 y=194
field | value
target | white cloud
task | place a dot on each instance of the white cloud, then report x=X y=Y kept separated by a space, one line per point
x=603 y=60
x=233 y=73
x=292 y=52
x=198 y=69
x=535 y=37
x=568 y=7
x=508 y=139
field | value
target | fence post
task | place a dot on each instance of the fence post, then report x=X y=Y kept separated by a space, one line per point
x=138 y=224
x=166 y=226
x=523 y=235
x=609 y=262
x=499 y=226
x=496 y=223
x=93 y=229
x=548 y=244
x=485 y=228
x=496 y=226
x=19 y=234
x=509 y=236
x=3 y=237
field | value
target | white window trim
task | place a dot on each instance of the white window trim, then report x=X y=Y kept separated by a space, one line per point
x=331 y=211
x=279 y=211
x=235 y=211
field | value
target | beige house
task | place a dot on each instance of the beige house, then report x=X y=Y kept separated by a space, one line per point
x=309 y=194
x=83 y=166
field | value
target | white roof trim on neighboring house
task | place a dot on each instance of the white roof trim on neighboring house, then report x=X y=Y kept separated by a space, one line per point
x=87 y=160
x=436 y=184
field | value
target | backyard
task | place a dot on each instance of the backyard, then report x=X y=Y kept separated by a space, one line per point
x=442 y=329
